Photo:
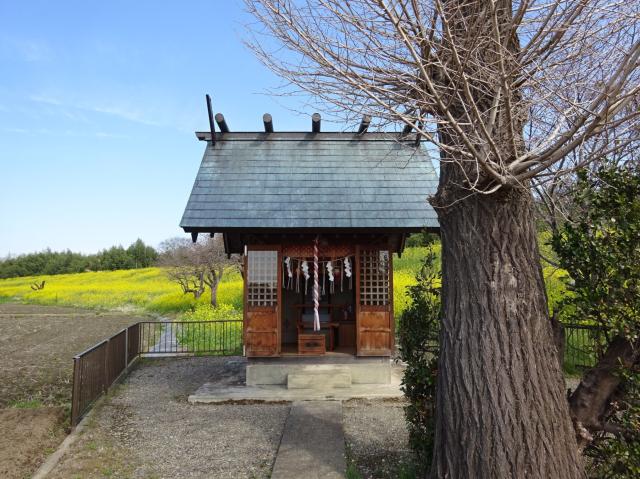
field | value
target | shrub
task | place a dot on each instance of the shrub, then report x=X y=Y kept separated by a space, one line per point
x=599 y=248
x=424 y=238
x=418 y=334
x=619 y=455
x=206 y=312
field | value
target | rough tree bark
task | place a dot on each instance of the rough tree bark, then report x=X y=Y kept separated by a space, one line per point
x=501 y=406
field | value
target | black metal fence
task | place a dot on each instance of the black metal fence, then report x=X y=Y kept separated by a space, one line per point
x=222 y=338
x=97 y=368
x=583 y=345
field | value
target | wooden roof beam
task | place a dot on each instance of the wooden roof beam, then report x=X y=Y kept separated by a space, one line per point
x=212 y=128
x=315 y=123
x=268 y=123
x=222 y=124
x=364 y=124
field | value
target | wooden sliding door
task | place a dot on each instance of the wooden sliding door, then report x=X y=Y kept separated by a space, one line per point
x=374 y=292
x=262 y=302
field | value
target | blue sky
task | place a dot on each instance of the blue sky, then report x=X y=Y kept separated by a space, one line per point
x=98 y=105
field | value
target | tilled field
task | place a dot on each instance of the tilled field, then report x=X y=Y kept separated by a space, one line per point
x=37 y=344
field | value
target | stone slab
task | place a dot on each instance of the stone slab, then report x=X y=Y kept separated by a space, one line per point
x=319 y=380
x=211 y=393
x=312 y=445
x=277 y=373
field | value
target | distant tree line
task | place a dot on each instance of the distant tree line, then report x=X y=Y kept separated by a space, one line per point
x=137 y=255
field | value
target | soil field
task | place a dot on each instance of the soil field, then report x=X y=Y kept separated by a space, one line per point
x=37 y=344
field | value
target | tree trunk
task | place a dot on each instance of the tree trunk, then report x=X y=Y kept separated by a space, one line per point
x=501 y=409
x=590 y=402
x=214 y=293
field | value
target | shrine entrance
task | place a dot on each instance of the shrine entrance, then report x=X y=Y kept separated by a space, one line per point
x=334 y=300
x=336 y=306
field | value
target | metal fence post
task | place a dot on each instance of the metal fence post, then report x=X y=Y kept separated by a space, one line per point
x=75 y=392
x=105 y=367
x=126 y=348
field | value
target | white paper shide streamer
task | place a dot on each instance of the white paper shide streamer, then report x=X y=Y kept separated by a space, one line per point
x=287 y=261
x=329 y=268
x=305 y=273
x=347 y=270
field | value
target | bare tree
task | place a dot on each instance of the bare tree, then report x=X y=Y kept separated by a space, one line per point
x=194 y=266
x=506 y=90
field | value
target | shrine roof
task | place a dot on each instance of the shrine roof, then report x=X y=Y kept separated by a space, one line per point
x=311 y=181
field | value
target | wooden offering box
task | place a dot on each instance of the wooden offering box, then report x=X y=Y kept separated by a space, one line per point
x=311 y=344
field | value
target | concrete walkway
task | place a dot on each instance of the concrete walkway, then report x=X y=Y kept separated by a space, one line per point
x=168 y=344
x=312 y=445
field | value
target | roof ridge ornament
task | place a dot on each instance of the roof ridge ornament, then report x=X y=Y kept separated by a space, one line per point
x=315 y=123
x=364 y=124
x=212 y=127
x=222 y=124
x=268 y=123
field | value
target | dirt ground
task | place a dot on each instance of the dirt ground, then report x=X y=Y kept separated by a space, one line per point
x=37 y=345
x=26 y=437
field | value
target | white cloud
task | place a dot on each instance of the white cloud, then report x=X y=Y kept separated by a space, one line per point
x=45 y=99
x=120 y=111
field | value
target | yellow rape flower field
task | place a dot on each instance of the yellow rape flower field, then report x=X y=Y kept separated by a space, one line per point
x=149 y=290
x=143 y=290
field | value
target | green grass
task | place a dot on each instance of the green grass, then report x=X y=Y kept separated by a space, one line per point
x=26 y=404
x=352 y=472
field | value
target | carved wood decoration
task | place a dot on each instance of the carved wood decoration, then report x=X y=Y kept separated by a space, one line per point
x=326 y=251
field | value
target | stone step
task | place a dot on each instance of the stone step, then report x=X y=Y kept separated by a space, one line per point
x=278 y=372
x=319 y=380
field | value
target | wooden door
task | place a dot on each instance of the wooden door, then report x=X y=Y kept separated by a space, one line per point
x=262 y=302
x=374 y=304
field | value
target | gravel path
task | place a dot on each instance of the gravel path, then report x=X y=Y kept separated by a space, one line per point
x=376 y=438
x=147 y=429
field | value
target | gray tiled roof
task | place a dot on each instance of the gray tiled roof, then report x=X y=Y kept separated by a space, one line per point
x=303 y=180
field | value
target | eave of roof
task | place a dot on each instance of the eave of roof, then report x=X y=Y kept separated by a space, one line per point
x=306 y=135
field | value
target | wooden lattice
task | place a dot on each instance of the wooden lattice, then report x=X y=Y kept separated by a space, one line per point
x=374 y=278
x=262 y=284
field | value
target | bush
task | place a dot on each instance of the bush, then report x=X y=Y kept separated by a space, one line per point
x=418 y=342
x=206 y=312
x=619 y=455
x=599 y=248
x=424 y=238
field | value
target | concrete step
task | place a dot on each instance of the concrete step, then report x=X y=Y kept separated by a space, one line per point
x=278 y=372
x=319 y=379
